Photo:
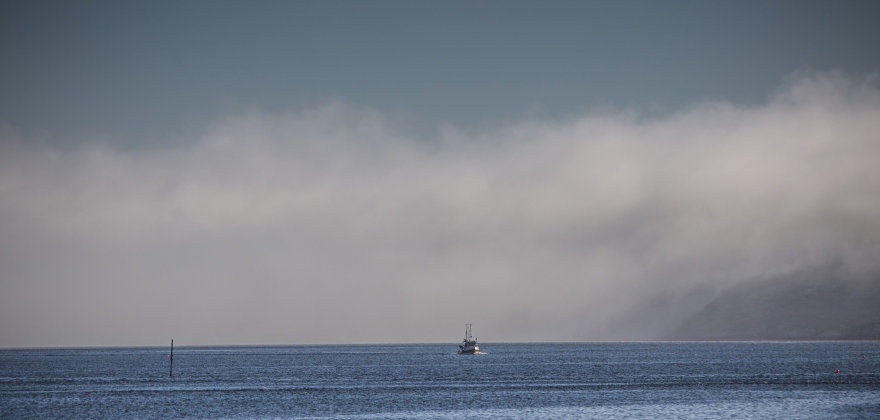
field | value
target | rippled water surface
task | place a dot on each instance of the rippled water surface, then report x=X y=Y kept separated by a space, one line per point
x=583 y=380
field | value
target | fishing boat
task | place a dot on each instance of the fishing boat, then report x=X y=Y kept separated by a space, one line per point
x=469 y=344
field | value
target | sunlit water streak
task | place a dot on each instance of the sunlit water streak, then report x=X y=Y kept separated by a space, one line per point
x=572 y=380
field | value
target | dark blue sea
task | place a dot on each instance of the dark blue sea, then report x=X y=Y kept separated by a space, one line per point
x=579 y=380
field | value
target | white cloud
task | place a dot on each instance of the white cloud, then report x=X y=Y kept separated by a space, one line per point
x=333 y=226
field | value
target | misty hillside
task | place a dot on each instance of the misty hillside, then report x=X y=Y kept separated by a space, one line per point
x=819 y=305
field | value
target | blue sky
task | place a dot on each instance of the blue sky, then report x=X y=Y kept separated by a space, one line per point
x=352 y=172
x=142 y=73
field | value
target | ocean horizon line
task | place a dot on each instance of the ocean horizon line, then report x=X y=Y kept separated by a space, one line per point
x=451 y=343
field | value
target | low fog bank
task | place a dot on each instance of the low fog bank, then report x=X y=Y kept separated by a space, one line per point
x=814 y=304
x=333 y=226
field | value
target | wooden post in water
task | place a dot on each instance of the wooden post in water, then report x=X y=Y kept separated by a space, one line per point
x=171 y=360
